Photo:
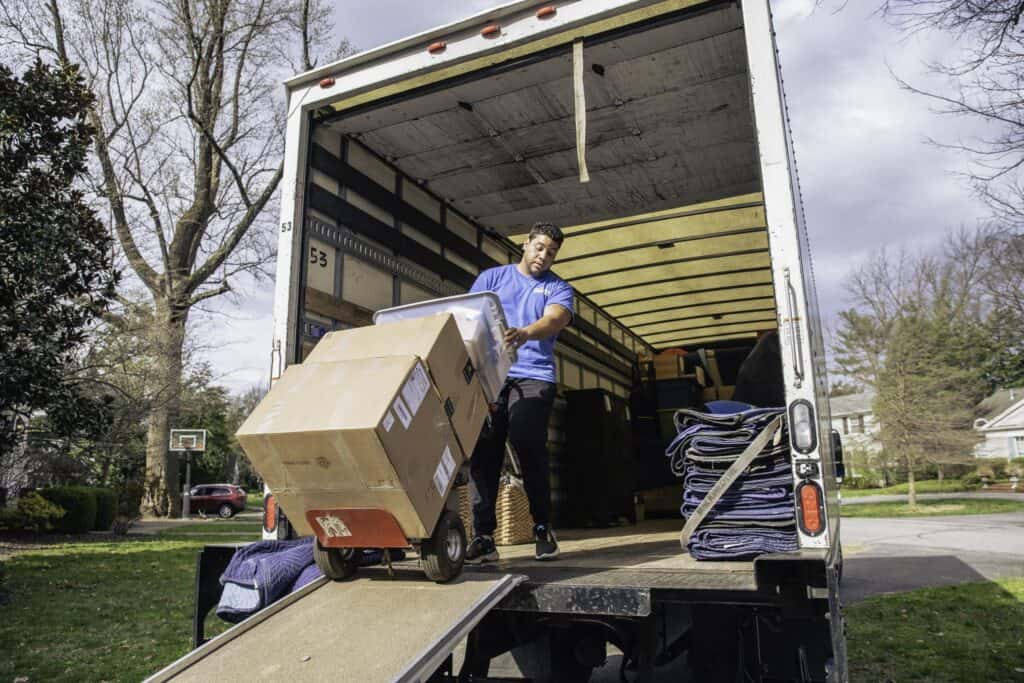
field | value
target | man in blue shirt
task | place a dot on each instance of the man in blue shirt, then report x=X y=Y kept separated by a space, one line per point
x=538 y=304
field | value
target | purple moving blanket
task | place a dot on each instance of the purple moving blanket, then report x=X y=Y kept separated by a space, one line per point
x=741 y=543
x=261 y=573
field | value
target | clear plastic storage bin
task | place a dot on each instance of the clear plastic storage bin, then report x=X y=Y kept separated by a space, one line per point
x=481 y=321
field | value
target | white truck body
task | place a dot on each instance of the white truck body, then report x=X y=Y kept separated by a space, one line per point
x=410 y=167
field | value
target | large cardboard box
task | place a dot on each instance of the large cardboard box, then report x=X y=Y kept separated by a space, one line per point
x=437 y=341
x=672 y=366
x=367 y=433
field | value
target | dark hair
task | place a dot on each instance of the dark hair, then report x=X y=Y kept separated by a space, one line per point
x=548 y=230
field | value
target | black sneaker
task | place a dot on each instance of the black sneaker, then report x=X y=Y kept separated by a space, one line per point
x=481 y=549
x=546 y=545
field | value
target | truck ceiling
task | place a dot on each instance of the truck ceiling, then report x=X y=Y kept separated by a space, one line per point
x=669 y=235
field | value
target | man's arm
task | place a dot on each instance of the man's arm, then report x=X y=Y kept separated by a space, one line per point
x=551 y=323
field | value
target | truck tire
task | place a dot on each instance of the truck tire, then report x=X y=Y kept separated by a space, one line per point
x=337 y=564
x=444 y=553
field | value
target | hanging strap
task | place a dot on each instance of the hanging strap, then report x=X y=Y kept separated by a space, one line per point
x=580 y=102
x=731 y=474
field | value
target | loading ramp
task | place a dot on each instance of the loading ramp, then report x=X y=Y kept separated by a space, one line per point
x=374 y=628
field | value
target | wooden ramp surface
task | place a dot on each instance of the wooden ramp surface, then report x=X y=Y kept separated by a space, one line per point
x=373 y=628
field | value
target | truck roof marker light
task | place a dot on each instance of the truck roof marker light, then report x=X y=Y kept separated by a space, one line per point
x=490 y=31
x=547 y=12
x=812 y=510
x=801 y=426
x=438 y=47
x=327 y=82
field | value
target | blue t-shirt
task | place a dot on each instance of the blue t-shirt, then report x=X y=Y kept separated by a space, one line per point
x=524 y=299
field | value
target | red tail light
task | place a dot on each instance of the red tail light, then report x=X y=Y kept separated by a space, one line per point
x=269 y=513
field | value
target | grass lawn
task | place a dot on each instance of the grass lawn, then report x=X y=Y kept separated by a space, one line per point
x=934 y=507
x=106 y=611
x=254 y=500
x=972 y=632
x=926 y=486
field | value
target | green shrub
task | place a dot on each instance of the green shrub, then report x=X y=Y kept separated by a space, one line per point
x=1015 y=468
x=129 y=502
x=971 y=480
x=994 y=469
x=106 y=508
x=859 y=483
x=32 y=513
x=80 y=505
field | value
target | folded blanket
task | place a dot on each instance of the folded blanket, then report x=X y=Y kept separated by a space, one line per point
x=263 y=572
x=752 y=511
x=260 y=573
x=737 y=499
x=740 y=543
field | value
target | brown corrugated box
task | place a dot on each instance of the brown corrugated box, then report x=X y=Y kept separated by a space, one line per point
x=437 y=341
x=361 y=433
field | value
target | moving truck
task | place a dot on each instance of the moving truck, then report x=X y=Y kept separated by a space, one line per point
x=655 y=134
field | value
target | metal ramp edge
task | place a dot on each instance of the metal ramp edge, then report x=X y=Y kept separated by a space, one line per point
x=259 y=646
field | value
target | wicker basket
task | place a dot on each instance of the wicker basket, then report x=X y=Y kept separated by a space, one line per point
x=515 y=525
x=466 y=510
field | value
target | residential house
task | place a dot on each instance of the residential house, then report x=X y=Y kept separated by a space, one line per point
x=1001 y=423
x=854 y=419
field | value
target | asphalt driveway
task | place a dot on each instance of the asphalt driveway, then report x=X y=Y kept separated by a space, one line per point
x=889 y=555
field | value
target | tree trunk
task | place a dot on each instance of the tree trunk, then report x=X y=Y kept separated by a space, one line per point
x=229 y=472
x=939 y=468
x=161 y=497
x=911 y=491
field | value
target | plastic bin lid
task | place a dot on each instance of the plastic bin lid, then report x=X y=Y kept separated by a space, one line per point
x=486 y=341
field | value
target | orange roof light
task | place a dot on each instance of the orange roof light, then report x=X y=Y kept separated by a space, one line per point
x=490 y=31
x=437 y=47
x=546 y=12
x=327 y=82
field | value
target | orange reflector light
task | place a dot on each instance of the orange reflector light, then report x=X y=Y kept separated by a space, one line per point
x=327 y=82
x=811 y=508
x=547 y=11
x=269 y=512
x=490 y=31
x=439 y=46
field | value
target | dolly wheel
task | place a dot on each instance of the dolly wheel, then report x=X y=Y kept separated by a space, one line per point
x=445 y=551
x=336 y=563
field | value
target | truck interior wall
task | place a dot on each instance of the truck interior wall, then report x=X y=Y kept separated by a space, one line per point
x=354 y=280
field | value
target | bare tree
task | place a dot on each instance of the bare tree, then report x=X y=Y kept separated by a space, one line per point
x=988 y=77
x=189 y=124
x=911 y=336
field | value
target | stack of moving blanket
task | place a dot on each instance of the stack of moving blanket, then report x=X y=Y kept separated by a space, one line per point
x=756 y=514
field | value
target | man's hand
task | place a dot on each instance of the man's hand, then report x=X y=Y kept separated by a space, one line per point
x=516 y=337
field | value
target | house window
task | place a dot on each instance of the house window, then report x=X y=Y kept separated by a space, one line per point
x=1018 y=441
x=858 y=425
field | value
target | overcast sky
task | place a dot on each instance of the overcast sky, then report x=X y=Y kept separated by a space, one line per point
x=869 y=178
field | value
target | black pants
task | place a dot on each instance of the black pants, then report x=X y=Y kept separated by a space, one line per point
x=521 y=415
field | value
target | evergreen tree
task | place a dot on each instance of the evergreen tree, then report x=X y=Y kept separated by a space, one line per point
x=56 y=269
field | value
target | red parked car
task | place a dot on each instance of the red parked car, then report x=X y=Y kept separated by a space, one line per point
x=226 y=500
